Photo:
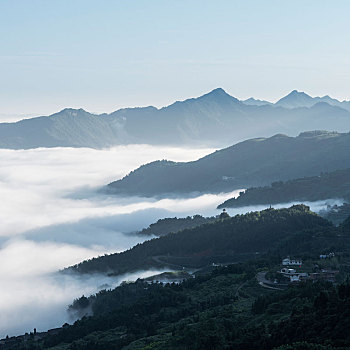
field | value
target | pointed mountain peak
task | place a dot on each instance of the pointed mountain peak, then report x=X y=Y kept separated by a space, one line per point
x=218 y=91
x=218 y=94
x=296 y=99
x=297 y=93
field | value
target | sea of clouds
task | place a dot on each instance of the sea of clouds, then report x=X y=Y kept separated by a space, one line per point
x=52 y=216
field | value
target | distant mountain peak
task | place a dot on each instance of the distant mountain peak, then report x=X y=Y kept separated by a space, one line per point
x=297 y=93
x=218 y=94
x=73 y=112
x=256 y=102
x=296 y=99
x=218 y=91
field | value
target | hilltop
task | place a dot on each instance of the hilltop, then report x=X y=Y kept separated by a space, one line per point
x=254 y=162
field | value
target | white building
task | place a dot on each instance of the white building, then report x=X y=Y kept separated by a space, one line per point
x=286 y=271
x=288 y=261
x=293 y=275
x=294 y=278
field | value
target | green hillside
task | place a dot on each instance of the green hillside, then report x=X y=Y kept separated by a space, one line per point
x=225 y=309
x=255 y=162
x=225 y=240
x=325 y=186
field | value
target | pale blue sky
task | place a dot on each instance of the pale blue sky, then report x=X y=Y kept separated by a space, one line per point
x=102 y=54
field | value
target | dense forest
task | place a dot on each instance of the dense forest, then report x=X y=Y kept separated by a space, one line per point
x=328 y=185
x=222 y=306
x=225 y=309
x=228 y=239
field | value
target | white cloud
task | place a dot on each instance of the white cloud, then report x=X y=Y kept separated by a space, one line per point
x=33 y=296
x=35 y=184
x=51 y=217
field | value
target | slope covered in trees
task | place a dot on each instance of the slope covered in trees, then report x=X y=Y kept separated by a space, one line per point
x=326 y=186
x=230 y=239
x=164 y=226
x=255 y=162
x=226 y=309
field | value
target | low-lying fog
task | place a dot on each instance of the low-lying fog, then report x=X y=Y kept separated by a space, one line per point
x=52 y=217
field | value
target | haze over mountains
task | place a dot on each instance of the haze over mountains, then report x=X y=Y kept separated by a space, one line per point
x=301 y=99
x=254 y=162
x=214 y=119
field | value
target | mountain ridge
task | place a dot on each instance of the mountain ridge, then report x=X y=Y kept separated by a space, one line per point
x=214 y=119
x=254 y=162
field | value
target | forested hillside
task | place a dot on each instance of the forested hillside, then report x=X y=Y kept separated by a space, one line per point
x=255 y=162
x=325 y=186
x=164 y=226
x=231 y=239
x=226 y=309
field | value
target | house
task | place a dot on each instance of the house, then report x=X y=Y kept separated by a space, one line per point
x=294 y=278
x=286 y=271
x=287 y=261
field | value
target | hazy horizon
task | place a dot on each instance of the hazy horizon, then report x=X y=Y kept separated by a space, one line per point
x=8 y=118
x=105 y=56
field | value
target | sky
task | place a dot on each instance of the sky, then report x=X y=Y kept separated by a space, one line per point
x=104 y=55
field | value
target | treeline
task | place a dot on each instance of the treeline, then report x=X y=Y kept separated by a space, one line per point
x=328 y=185
x=164 y=226
x=232 y=238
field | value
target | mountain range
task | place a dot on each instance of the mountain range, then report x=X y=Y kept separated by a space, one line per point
x=214 y=119
x=255 y=162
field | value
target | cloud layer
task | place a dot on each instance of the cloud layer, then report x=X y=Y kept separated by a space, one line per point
x=52 y=217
